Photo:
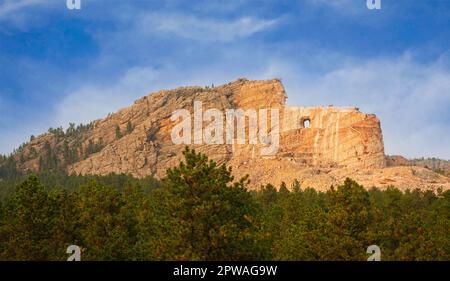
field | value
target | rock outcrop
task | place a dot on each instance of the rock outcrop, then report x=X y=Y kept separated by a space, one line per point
x=319 y=146
x=440 y=166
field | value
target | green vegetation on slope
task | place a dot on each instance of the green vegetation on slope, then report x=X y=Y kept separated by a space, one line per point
x=199 y=212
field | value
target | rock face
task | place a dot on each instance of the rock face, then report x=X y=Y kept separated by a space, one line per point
x=319 y=146
x=149 y=149
x=333 y=137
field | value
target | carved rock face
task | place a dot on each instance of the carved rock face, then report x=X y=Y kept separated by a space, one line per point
x=319 y=146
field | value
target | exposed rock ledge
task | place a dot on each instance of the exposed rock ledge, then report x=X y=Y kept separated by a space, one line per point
x=319 y=146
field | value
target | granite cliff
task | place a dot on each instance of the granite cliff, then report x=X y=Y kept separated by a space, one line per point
x=319 y=146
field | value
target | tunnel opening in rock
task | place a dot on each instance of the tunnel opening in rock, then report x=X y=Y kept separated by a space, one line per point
x=306 y=123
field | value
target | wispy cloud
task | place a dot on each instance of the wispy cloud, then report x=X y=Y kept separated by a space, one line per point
x=19 y=14
x=93 y=101
x=205 y=29
x=336 y=3
x=357 y=9
x=342 y=6
x=8 y=7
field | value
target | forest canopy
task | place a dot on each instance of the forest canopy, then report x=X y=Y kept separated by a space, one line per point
x=198 y=211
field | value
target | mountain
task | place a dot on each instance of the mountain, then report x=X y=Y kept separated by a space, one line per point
x=319 y=146
x=438 y=165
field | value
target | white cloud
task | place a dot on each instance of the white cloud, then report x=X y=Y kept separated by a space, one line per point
x=204 y=29
x=343 y=6
x=19 y=13
x=93 y=101
x=336 y=3
x=90 y=102
x=359 y=10
x=8 y=7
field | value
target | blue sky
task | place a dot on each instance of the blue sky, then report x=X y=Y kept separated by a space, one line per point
x=59 y=66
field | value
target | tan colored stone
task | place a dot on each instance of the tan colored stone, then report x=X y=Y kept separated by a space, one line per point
x=339 y=142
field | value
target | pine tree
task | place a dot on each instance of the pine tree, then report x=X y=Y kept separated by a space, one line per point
x=129 y=127
x=26 y=223
x=118 y=132
x=215 y=214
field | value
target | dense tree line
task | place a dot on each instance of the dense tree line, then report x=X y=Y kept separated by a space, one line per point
x=66 y=148
x=200 y=212
x=59 y=179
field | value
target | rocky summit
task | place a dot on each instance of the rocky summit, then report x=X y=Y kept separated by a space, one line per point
x=318 y=146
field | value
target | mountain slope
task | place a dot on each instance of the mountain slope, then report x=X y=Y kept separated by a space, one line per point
x=320 y=146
